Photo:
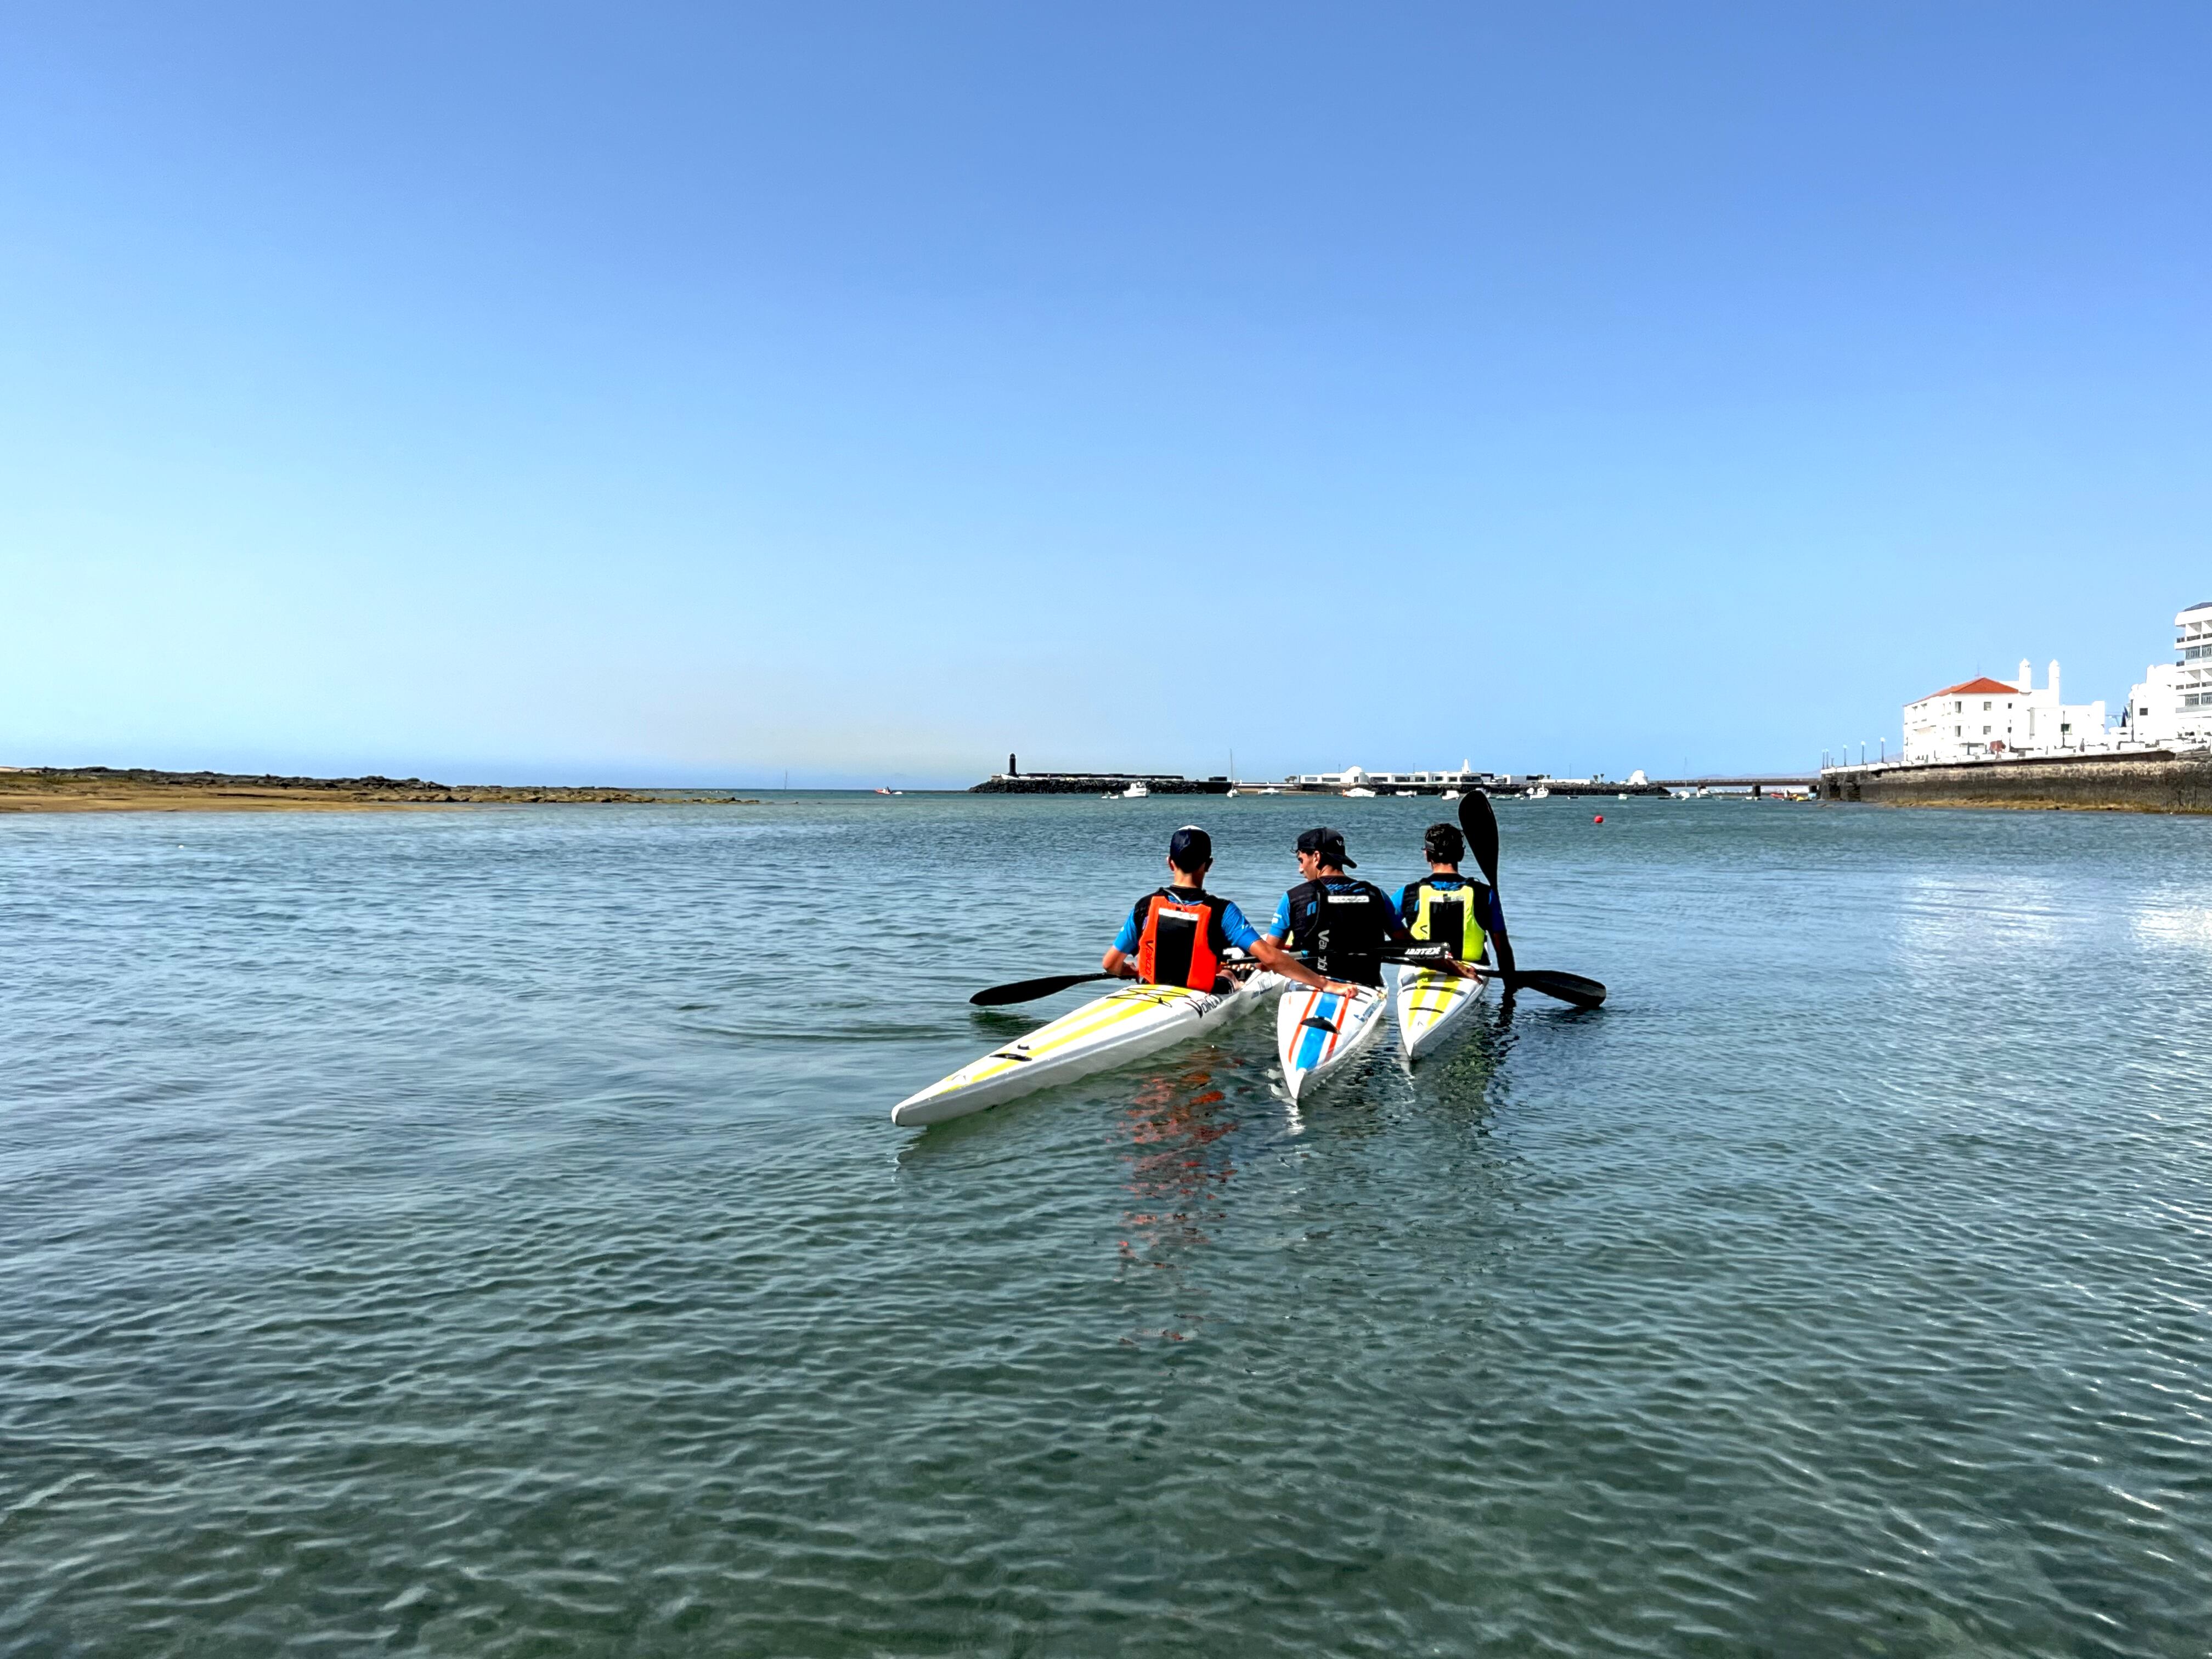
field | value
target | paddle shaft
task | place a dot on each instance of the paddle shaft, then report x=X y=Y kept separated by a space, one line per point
x=1029 y=990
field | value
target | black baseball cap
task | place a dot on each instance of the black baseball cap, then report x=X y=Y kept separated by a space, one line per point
x=1328 y=845
x=1190 y=849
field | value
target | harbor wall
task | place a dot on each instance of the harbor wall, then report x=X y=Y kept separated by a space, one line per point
x=1094 y=783
x=2149 y=781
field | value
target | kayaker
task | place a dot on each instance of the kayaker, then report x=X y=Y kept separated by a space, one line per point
x=1342 y=920
x=1180 y=934
x=1448 y=908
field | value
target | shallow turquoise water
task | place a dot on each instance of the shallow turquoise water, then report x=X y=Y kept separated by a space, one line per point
x=481 y=1233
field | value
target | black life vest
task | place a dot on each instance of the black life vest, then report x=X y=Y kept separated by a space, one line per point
x=1447 y=910
x=1179 y=937
x=1345 y=922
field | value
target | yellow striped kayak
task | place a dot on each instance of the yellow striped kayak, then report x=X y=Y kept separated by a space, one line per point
x=1122 y=1026
x=1430 y=1005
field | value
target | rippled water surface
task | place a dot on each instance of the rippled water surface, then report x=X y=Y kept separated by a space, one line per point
x=481 y=1233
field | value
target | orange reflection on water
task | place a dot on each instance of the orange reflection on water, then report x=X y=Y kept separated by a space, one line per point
x=1177 y=1172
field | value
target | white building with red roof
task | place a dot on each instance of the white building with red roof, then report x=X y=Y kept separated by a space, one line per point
x=1979 y=718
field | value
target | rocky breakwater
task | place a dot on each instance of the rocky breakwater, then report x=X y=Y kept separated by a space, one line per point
x=105 y=789
x=1096 y=783
x=2147 y=781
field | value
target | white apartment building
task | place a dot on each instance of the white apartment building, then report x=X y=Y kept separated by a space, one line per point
x=2171 y=708
x=1979 y=718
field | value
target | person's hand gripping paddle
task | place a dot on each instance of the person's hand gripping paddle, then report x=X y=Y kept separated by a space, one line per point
x=1478 y=822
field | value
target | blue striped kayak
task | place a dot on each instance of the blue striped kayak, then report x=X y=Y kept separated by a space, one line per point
x=1430 y=1006
x=1319 y=1032
x=1123 y=1025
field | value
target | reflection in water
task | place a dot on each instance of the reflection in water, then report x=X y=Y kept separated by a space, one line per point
x=1946 y=924
x=1458 y=1080
x=993 y=1026
x=2186 y=923
x=1177 y=1167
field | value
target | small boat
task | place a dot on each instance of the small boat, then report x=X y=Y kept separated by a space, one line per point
x=1430 y=1005
x=1135 y=792
x=1405 y=794
x=1124 y=1026
x=1318 y=1033
x=1540 y=792
x=1357 y=793
x=1450 y=794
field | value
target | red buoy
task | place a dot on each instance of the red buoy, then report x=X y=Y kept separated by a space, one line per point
x=1600 y=819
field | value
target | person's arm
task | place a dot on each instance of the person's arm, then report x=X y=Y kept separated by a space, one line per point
x=1116 y=959
x=1500 y=943
x=1394 y=925
x=1271 y=957
x=1263 y=949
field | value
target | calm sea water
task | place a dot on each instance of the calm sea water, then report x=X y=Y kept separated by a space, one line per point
x=481 y=1233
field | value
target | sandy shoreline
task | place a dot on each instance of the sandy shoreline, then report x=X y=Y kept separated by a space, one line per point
x=104 y=789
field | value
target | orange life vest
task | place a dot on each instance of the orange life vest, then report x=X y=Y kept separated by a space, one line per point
x=1176 y=945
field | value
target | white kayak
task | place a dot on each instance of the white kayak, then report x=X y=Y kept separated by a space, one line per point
x=1318 y=1032
x=1123 y=1025
x=1430 y=1005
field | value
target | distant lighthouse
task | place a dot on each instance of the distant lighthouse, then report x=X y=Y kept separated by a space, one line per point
x=1013 y=770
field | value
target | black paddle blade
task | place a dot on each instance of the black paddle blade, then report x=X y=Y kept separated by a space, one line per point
x=1029 y=990
x=1567 y=987
x=1479 y=823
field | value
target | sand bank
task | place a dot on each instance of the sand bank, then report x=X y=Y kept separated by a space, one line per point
x=107 y=789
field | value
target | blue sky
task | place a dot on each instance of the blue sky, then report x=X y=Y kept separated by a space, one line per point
x=686 y=393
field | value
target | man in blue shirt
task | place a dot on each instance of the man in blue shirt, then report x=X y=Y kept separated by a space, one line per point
x=1446 y=908
x=1344 y=922
x=1181 y=934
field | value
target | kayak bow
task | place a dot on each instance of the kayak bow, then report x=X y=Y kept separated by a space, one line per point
x=1123 y=1025
x=1430 y=1006
x=1320 y=1032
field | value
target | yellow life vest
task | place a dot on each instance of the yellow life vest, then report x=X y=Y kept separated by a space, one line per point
x=1446 y=916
